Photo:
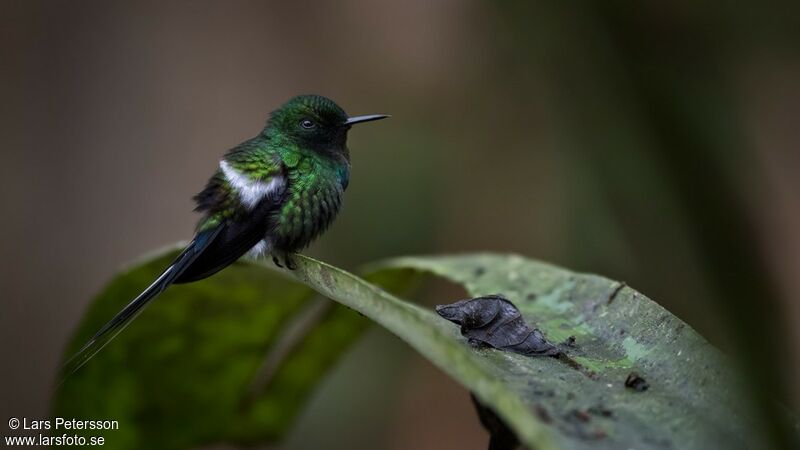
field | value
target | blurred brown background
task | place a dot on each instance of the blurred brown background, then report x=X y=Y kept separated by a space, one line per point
x=655 y=144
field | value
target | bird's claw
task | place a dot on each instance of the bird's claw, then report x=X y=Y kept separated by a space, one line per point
x=288 y=262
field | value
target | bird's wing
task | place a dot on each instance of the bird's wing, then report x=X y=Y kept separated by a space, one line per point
x=243 y=203
x=190 y=254
x=236 y=237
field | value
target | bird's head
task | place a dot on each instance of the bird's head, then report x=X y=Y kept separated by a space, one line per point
x=315 y=123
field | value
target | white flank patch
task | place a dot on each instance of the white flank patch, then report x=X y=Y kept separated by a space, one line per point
x=259 y=249
x=250 y=191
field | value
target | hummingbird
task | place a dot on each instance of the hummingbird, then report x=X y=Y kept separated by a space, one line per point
x=272 y=194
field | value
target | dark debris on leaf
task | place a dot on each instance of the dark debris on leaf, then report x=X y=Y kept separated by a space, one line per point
x=600 y=410
x=617 y=289
x=636 y=382
x=579 y=423
x=494 y=321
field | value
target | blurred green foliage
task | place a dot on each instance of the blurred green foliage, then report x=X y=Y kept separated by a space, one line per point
x=228 y=359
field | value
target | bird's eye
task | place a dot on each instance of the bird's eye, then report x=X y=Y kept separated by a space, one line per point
x=307 y=124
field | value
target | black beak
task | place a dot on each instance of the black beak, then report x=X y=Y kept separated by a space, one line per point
x=368 y=118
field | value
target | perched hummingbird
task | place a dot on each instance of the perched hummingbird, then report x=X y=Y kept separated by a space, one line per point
x=274 y=193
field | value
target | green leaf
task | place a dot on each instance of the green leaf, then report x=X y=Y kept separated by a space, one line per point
x=182 y=374
x=693 y=400
x=228 y=359
x=430 y=335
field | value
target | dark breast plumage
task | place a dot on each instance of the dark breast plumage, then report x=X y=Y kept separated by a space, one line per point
x=312 y=200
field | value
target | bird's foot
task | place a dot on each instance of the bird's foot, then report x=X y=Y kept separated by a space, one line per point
x=288 y=261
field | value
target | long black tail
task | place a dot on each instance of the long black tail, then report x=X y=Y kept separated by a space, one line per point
x=124 y=317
